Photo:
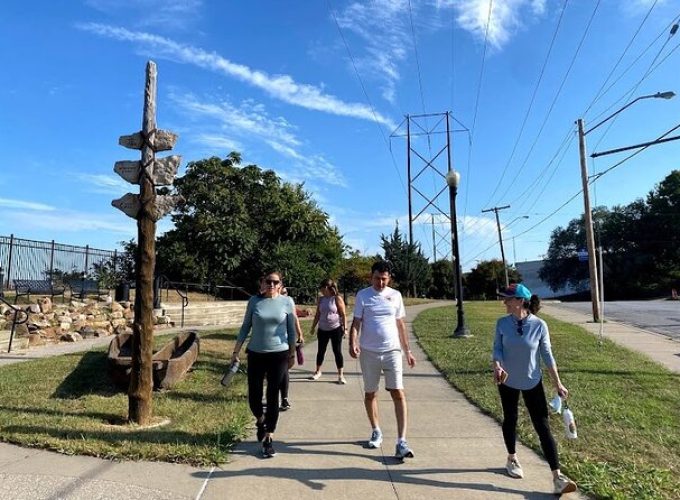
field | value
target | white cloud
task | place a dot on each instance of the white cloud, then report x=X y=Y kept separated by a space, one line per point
x=25 y=205
x=170 y=14
x=251 y=121
x=105 y=183
x=507 y=17
x=282 y=87
x=216 y=141
x=72 y=221
x=382 y=27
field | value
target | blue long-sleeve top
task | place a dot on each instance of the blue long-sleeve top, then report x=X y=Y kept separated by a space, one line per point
x=272 y=323
x=520 y=355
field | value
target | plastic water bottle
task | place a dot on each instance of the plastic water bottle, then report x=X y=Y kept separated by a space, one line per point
x=556 y=404
x=569 y=424
x=233 y=369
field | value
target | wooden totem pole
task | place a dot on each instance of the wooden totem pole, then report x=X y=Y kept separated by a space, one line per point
x=147 y=207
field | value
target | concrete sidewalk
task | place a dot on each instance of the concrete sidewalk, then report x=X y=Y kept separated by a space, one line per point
x=321 y=452
x=659 y=348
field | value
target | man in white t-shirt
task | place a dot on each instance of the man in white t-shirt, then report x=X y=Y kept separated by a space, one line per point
x=379 y=313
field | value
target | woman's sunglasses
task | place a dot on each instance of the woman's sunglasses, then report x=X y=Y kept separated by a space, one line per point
x=520 y=331
x=272 y=282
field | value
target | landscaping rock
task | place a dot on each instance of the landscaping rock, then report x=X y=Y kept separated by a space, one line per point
x=45 y=305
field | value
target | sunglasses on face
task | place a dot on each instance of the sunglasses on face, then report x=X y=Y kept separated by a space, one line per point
x=272 y=282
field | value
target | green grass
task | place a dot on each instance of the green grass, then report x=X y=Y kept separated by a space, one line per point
x=627 y=408
x=67 y=404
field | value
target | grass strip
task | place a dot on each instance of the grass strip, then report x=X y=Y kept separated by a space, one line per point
x=67 y=404
x=627 y=407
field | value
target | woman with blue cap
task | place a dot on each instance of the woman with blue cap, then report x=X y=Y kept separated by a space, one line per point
x=522 y=340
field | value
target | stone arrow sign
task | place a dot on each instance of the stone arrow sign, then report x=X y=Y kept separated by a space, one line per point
x=163 y=170
x=129 y=204
x=161 y=140
x=163 y=204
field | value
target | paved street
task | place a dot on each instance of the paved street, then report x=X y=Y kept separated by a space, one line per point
x=659 y=316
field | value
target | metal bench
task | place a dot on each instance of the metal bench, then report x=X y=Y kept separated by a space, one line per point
x=83 y=287
x=37 y=287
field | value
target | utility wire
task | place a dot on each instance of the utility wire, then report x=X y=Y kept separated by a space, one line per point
x=368 y=99
x=474 y=118
x=552 y=105
x=531 y=103
x=616 y=65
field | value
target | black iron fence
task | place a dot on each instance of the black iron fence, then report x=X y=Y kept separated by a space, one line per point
x=40 y=260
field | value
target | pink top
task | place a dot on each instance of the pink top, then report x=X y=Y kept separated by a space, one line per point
x=329 y=319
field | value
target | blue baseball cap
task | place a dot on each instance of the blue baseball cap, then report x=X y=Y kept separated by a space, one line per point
x=517 y=290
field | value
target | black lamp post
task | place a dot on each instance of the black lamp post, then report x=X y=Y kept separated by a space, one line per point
x=452 y=180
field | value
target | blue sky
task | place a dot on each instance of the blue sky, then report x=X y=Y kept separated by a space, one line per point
x=315 y=89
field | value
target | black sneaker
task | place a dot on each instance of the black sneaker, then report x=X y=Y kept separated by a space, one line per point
x=261 y=430
x=285 y=405
x=268 y=450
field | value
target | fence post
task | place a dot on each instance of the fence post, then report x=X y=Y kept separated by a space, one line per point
x=9 y=263
x=2 y=283
x=87 y=257
x=52 y=261
x=115 y=261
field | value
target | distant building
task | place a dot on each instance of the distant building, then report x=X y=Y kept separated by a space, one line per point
x=529 y=272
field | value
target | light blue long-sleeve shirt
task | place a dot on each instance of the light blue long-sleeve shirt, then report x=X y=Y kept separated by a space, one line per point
x=272 y=323
x=520 y=355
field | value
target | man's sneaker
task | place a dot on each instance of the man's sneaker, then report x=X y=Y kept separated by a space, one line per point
x=268 y=450
x=316 y=376
x=261 y=430
x=563 y=485
x=376 y=439
x=514 y=468
x=342 y=380
x=285 y=405
x=403 y=451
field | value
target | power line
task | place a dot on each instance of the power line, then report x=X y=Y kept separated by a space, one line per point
x=479 y=91
x=531 y=103
x=616 y=65
x=552 y=105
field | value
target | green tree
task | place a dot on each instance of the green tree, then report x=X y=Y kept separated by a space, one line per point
x=640 y=246
x=443 y=281
x=237 y=222
x=354 y=272
x=410 y=271
x=120 y=268
x=483 y=281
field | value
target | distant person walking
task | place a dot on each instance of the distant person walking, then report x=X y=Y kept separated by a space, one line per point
x=331 y=317
x=285 y=385
x=271 y=351
x=521 y=341
x=379 y=315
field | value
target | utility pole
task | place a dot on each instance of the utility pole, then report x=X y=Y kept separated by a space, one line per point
x=588 y=216
x=500 y=239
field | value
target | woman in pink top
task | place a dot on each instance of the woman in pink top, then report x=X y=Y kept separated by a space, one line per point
x=330 y=316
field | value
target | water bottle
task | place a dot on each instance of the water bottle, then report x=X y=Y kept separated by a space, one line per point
x=569 y=424
x=299 y=353
x=233 y=368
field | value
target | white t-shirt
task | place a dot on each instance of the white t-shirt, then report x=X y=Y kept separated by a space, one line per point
x=379 y=312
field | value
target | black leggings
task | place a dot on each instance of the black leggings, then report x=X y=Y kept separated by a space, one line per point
x=273 y=366
x=534 y=399
x=335 y=336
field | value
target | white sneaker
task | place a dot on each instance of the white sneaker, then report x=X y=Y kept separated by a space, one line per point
x=563 y=485
x=316 y=376
x=376 y=439
x=403 y=451
x=342 y=380
x=514 y=468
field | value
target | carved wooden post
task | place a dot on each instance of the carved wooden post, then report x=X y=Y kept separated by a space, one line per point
x=147 y=208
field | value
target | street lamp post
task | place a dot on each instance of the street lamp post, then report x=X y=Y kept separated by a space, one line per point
x=590 y=237
x=452 y=180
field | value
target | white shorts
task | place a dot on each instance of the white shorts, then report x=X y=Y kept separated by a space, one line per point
x=375 y=363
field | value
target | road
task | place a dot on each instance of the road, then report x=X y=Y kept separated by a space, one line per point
x=660 y=316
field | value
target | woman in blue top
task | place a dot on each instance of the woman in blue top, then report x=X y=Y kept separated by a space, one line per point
x=271 y=351
x=522 y=340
